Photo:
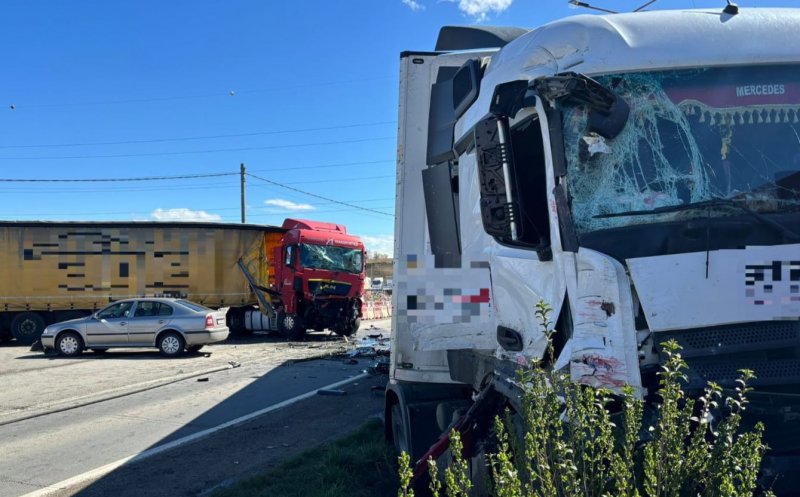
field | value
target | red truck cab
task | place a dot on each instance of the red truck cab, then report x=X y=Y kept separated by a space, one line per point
x=320 y=278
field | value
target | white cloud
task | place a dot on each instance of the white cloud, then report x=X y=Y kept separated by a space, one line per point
x=480 y=9
x=413 y=5
x=289 y=205
x=383 y=244
x=183 y=214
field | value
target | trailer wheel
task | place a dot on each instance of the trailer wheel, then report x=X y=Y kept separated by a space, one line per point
x=290 y=326
x=27 y=327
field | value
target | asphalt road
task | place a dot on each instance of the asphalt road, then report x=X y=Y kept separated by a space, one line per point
x=74 y=439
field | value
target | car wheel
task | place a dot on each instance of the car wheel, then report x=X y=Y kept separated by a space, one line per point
x=290 y=326
x=194 y=349
x=170 y=344
x=27 y=327
x=69 y=344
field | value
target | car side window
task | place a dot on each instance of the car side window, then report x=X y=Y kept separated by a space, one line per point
x=116 y=311
x=163 y=309
x=144 y=309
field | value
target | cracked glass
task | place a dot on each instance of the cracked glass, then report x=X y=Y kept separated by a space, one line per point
x=692 y=136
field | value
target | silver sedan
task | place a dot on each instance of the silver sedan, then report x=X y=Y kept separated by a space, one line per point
x=171 y=325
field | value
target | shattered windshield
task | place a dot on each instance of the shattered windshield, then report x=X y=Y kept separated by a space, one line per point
x=692 y=136
x=331 y=258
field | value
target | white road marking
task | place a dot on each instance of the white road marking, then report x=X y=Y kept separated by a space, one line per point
x=104 y=470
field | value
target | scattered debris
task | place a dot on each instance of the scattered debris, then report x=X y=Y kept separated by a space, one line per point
x=379 y=366
x=370 y=346
x=331 y=391
x=203 y=379
x=351 y=361
x=234 y=364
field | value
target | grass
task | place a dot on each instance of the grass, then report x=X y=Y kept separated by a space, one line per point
x=359 y=465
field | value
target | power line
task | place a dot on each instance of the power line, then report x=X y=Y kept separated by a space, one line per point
x=320 y=166
x=202 y=186
x=219 y=94
x=185 y=176
x=112 y=180
x=318 y=196
x=209 y=137
x=240 y=149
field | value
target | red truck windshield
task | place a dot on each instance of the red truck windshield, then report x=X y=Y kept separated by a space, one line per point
x=331 y=258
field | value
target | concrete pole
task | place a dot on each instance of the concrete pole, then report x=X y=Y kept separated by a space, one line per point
x=241 y=172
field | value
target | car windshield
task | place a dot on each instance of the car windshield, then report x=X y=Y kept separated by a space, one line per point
x=193 y=306
x=692 y=136
x=331 y=258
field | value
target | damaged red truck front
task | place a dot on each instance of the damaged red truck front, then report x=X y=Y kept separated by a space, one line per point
x=320 y=281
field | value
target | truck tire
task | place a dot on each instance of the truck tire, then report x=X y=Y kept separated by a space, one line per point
x=237 y=323
x=400 y=437
x=349 y=330
x=290 y=326
x=27 y=327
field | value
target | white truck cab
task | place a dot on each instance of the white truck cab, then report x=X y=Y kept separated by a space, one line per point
x=638 y=172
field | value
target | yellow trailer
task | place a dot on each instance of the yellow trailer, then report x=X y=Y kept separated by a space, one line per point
x=52 y=271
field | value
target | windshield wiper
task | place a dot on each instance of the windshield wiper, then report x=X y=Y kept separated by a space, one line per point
x=705 y=204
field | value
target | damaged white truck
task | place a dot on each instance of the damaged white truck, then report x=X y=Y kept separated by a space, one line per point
x=639 y=172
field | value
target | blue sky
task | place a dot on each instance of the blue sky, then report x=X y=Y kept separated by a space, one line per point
x=304 y=93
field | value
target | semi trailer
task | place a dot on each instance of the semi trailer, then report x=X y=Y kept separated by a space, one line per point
x=290 y=278
x=638 y=172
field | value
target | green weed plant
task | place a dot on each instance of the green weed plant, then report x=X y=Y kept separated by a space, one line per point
x=566 y=442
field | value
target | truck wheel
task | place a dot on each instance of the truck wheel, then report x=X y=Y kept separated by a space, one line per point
x=290 y=326
x=236 y=323
x=69 y=344
x=349 y=330
x=170 y=344
x=400 y=438
x=27 y=327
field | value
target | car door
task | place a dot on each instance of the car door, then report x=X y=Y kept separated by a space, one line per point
x=149 y=318
x=109 y=326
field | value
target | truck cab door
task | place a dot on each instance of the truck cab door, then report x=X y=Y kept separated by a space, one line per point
x=288 y=268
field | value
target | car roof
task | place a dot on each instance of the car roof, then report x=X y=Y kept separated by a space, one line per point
x=154 y=299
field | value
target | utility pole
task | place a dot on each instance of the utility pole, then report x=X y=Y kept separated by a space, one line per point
x=241 y=172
